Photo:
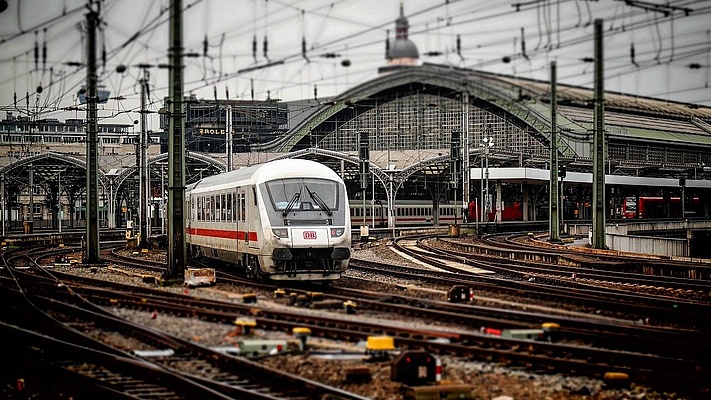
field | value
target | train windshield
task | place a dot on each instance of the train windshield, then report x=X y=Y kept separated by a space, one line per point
x=630 y=204
x=303 y=194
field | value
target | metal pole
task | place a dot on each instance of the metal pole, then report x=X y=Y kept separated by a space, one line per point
x=31 y=185
x=562 y=205
x=465 y=149
x=228 y=133
x=92 y=255
x=481 y=192
x=372 y=201
x=162 y=200
x=683 y=200
x=177 y=252
x=144 y=216
x=2 y=199
x=112 y=204
x=553 y=225
x=599 y=144
x=486 y=186
x=59 y=200
x=365 y=222
x=391 y=205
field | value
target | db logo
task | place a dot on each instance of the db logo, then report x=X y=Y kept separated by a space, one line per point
x=309 y=235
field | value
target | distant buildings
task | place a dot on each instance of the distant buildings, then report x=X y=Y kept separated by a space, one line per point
x=253 y=122
x=23 y=137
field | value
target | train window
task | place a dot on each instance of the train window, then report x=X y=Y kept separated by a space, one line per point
x=199 y=209
x=218 y=208
x=234 y=206
x=303 y=194
x=236 y=203
x=207 y=208
x=229 y=207
x=243 y=206
x=224 y=208
x=212 y=208
x=254 y=194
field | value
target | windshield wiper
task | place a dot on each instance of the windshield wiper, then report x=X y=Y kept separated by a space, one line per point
x=319 y=201
x=291 y=204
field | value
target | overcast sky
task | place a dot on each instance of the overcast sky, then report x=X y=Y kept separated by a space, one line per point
x=672 y=46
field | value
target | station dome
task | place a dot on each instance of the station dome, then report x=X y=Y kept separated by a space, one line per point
x=403 y=52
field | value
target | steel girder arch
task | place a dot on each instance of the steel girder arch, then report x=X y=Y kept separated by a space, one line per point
x=197 y=166
x=336 y=155
x=402 y=176
x=485 y=89
x=193 y=160
x=56 y=174
x=50 y=160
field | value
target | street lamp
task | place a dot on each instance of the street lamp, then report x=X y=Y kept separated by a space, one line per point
x=486 y=145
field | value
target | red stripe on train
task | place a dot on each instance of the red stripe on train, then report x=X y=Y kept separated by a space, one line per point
x=223 y=234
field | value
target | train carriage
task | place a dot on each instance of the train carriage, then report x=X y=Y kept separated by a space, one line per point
x=283 y=220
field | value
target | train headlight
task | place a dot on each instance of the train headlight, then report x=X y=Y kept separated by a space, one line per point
x=336 y=232
x=281 y=232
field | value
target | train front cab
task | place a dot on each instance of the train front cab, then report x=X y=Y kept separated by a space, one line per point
x=309 y=229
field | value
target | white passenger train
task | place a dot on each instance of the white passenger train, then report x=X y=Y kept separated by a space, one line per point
x=283 y=220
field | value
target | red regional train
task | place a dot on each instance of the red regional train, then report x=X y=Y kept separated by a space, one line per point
x=658 y=207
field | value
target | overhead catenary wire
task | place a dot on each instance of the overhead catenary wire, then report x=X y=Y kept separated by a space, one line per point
x=284 y=83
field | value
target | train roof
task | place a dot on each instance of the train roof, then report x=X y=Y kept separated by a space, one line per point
x=256 y=174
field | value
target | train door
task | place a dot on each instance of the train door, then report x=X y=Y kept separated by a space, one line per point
x=242 y=233
x=234 y=217
x=252 y=217
x=190 y=215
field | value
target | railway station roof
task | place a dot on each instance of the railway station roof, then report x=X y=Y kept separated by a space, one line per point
x=627 y=117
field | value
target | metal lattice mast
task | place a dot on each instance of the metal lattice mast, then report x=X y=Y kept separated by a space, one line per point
x=92 y=145
x=144 y=215
x=177 y=254
x=599 y=145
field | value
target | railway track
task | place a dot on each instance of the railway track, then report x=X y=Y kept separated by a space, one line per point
x=684 y=275
x=528 y=279
x=204 y=373
x=661 y=371
x=680 y=370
